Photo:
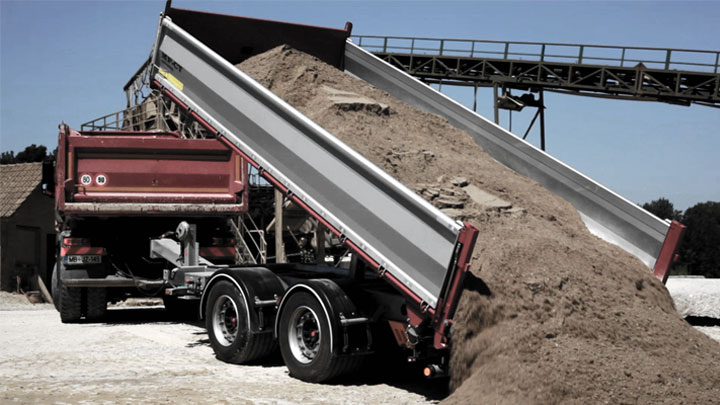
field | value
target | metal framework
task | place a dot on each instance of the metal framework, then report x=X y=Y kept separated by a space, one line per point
x=678 y=76
x=153 y=113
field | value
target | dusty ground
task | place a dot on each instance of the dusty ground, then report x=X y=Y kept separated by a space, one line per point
x=131 y=358
x=698 y=298
x=695 y=296
x=140 y=356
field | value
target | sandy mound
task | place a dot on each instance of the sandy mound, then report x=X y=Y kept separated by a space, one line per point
x=551 y=314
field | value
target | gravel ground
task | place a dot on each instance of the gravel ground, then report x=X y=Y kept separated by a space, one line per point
x=695 y=296
x=140 y=356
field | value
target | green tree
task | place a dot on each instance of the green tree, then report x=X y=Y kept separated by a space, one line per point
x=32 y=153
x=663 y=209
x=700 y=249
x=7 y=158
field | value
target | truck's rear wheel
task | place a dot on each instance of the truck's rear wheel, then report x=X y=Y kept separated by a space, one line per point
x=74 y=302
x=96 y=300
x=70 y=303
x=55 y=287
x=228 y=328
x=304 y=336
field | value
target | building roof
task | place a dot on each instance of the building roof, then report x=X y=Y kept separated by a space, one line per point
x=17 y=182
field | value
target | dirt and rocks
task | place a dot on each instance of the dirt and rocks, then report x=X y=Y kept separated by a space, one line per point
x=141 y=356
x=550 y=313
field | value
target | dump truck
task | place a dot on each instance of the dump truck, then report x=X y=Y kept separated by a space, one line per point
x=178 y=194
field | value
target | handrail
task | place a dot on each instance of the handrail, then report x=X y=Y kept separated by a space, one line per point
x=261 y=249
x=135 y=118
x=115 y=121
x=668 y=58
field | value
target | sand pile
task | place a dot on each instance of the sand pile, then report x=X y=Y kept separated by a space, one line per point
x=551 y=314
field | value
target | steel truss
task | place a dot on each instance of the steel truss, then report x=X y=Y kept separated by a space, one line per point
x=678 y=76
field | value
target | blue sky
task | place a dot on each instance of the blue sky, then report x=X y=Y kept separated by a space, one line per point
x=67 y=61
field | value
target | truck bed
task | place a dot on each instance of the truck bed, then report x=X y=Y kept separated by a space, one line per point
x=113 y=173
x=413 y=244
x=605 y=213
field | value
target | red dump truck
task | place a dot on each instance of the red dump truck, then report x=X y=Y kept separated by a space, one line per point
x=158 y=200
x=180 y=194
x=116 y=190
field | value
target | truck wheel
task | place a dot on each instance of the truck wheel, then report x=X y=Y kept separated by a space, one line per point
x=304 y=338
x=96 y=304
x=226 y=320
x=55 y=287
x=70 y=303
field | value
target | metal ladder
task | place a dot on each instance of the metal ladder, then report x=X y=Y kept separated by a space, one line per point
x=242 y=233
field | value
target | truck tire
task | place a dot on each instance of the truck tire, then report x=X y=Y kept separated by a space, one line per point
x=70 y=303
x=226 y=320
x=96 y=300
x=55 y=287
x=304 y=338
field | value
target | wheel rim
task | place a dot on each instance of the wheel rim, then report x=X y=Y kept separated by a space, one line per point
x=225 y=320
x=304 y=336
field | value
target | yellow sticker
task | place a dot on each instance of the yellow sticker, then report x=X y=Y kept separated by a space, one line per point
x=173 y=80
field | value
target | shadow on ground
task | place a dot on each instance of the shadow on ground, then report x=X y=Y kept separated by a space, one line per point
x=143 y=315
x=397 y=372
x=389 y=367
x=702 y=321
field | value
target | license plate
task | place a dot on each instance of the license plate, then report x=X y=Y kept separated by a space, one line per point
x=83 y=259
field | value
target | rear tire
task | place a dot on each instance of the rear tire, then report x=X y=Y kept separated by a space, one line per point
x=70 y=303
x=55 y=287
x=226 y=320
x=304 y=337
x=75 y=302
x=96 y=304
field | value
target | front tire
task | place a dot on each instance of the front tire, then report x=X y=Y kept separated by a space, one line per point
x=226 y=320
x=304 y=337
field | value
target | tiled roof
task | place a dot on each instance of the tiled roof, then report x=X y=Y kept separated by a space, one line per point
x=16 y=183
